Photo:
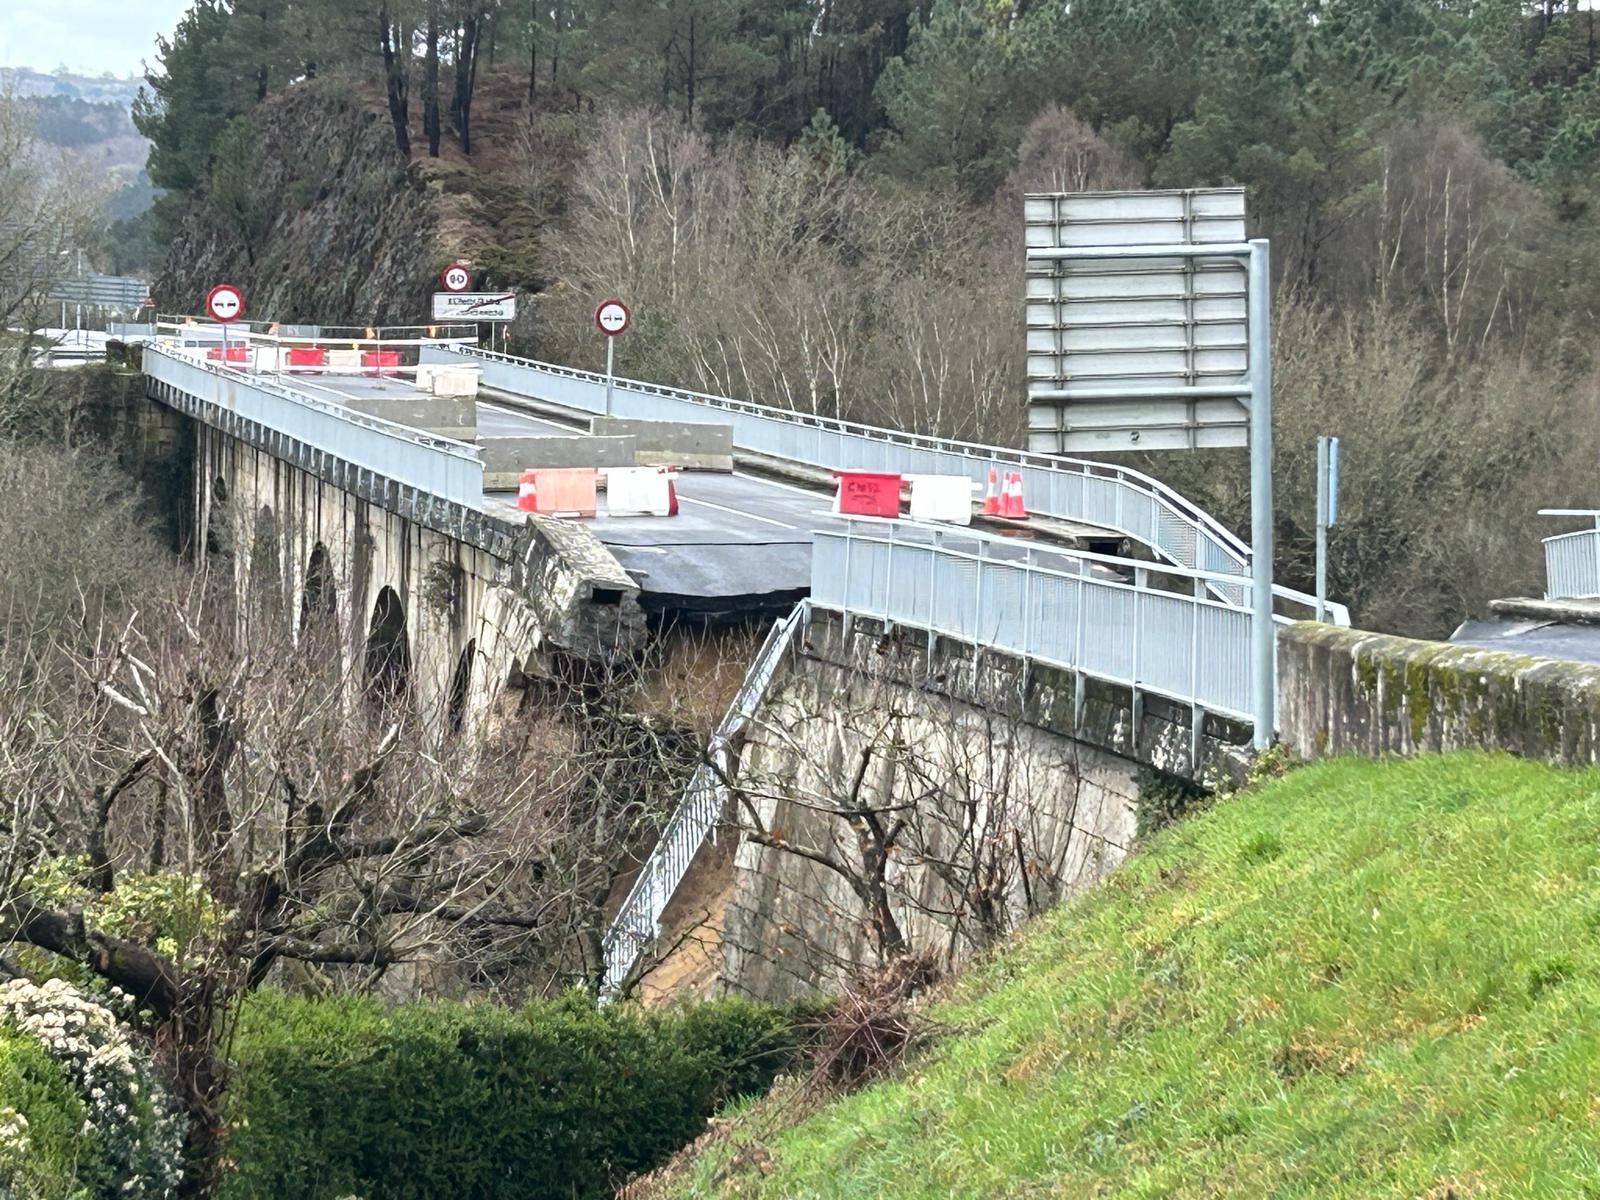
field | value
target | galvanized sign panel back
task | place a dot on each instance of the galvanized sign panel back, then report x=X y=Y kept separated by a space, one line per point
x=1136 y=353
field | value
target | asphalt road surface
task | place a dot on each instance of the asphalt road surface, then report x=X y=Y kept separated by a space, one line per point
x=737 y=536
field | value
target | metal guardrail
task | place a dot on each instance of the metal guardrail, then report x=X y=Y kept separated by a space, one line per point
x=437 y=466
x=1070 y=489
x=274 y=333
x=1190 y=648
x=1572 y=565
x=704 y=800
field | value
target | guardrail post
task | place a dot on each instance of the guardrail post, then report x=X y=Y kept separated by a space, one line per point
x=1027 y=606
x=1262 y=634
x=849 y=608
x=977 y=616
x=1141 y=580
x=888 y=582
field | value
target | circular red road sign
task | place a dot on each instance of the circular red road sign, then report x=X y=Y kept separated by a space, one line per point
x=455 y=278
x=611 y=317
x=225 y=302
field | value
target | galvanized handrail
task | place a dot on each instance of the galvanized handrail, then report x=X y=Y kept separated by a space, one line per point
x=1073 y=489
x=705 y=798
x=1190 y=648
x=437 y=333
x=1572 y=565
x=1136 y=480
x=439 y=466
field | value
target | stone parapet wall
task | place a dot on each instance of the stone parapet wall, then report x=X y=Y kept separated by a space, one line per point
x=1349 y=691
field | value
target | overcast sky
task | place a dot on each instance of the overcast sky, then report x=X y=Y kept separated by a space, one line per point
x=89 y=36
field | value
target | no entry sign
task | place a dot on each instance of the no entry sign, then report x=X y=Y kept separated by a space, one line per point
x=611 y=317
x=455 y=278
x=225 y=303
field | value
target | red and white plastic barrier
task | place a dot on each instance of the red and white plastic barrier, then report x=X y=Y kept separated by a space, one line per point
x=945 y=498
x=641 y=492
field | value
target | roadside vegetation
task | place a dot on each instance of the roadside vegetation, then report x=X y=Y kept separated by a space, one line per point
x=1363 y=979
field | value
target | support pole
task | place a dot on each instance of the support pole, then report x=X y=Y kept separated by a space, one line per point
x=1322 y=528
x=611 y=359
x=1263 y=639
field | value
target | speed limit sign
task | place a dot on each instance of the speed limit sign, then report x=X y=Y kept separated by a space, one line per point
x=611 y=317
x=225 y=303
x=455 y=278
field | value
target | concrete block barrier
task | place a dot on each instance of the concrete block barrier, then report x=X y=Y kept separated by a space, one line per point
x=690 y=445
x=453 y=418
x=504 y=459
x=447 y=380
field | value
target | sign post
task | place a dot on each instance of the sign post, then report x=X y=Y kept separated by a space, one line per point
x=1327 y=513
x=611 y=317
x=225 y=303
x=1263 y=638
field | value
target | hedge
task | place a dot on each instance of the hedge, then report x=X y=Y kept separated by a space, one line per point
x=558 y=1099
x=46 y=1155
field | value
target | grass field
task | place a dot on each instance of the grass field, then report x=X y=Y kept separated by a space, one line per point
x=1366 y=979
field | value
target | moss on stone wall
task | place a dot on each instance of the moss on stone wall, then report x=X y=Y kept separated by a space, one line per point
x=1346 y=689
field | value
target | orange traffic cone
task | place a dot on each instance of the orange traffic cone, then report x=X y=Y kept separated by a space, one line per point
x=672 y=491
x=991 y=498
x=1014 y=508
x=526 y=498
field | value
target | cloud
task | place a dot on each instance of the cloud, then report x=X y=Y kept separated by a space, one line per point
x=91 y=36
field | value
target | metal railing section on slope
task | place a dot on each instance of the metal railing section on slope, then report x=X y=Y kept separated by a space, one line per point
x=1572 y=565
x=437 y=466
x=705 y=798
x=1191 y=647
x=1070 y=489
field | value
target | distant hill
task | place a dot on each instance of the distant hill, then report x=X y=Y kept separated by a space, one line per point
x=94 y=89
x=92 y=120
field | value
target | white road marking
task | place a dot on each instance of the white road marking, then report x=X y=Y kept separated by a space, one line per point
x=529 y=418
x=808 y=493
x=682 y=499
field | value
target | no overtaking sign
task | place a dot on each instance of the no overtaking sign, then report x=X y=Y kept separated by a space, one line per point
x=225 y=303
x=611 y=317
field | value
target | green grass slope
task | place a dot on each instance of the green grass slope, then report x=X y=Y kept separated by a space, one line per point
x=1365 y=979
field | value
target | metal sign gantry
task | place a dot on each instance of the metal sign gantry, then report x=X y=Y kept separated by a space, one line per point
x=1149 y=328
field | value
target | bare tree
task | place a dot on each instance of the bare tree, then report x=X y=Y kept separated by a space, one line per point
x=49 y=208
x=195 y=805
x=909 y=821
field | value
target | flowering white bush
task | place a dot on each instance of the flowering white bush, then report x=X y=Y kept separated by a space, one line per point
x=129 y=1117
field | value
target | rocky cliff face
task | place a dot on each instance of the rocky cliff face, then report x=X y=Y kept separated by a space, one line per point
x=314 y=213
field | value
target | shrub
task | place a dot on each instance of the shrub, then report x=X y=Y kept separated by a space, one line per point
x=81 y=1114
x=554 y=1099
x=40 y=1120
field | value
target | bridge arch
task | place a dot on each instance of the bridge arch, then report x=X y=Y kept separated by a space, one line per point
x=461 y=689
x=266 y=569
x=319 y=595
x=388 y=655
x=219 y=540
